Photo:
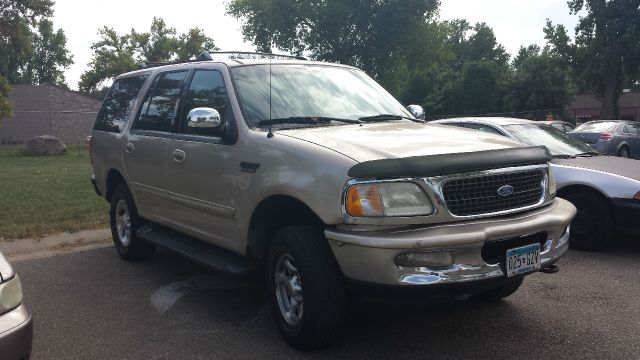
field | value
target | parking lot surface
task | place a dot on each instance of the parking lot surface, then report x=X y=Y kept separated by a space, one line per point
x=92 y=305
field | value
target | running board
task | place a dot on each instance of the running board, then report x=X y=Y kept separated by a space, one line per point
x=211 y=256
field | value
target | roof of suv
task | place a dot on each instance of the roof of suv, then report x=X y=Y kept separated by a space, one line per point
x=232 y=63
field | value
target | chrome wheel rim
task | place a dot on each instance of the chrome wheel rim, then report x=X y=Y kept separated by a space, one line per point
x=289 y=290
x=123 y=222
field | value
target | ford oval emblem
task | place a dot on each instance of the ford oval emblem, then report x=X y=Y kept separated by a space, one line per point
x=505 y=190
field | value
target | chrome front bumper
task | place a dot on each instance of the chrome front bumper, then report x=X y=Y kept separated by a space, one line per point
x=370 y=256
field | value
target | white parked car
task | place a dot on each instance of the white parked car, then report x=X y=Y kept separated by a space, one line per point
x=605 y=189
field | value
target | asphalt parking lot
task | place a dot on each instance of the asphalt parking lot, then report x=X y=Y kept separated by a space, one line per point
x=92 y=305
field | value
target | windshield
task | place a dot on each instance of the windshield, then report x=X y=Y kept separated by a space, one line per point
x=310 y=91
x=597 y=126
x=555 y=140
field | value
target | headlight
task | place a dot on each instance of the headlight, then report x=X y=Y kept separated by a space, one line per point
x=387 y=199
x=552 y=183
x=10 y=294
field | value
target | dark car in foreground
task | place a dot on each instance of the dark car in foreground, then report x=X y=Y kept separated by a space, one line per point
x=16 y=328
x=611 y=137
x=604 y=189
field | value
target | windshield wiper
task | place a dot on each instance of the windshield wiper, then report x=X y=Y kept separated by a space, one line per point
x=305 y=120
x=563 y=156
x=388 y=117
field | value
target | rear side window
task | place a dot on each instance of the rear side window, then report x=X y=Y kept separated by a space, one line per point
x=159 y=106
x=118 y=104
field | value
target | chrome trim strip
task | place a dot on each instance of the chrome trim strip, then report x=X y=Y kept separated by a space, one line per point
x=212 y=208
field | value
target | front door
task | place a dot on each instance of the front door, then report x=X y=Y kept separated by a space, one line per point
x=202 y=165
x=147 y=142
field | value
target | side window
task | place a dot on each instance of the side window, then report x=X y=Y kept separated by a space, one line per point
x=206 y=90
x=558 y=126
x=568 y=128
x=160 y=102
x=484 y=128
x=118 y=104
x=630 y=128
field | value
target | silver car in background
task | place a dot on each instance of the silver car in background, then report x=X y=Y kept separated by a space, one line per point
x=604 y=189
x=611 y=137
x=16 y=327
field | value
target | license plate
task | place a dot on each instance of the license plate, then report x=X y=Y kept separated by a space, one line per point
x=523 y=260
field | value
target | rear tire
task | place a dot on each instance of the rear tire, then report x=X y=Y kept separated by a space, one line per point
x=306 y=288
x=125 y=222
x=624 y=152
x=500 y=293
x=592 y=228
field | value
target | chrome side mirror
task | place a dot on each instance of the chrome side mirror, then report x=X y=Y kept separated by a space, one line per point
x=417 y=111
x=203 y=118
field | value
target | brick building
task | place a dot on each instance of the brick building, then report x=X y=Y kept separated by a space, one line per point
x=48 y=110
x=587 y=107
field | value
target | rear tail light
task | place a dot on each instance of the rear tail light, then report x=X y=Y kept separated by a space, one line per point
x=606 y=136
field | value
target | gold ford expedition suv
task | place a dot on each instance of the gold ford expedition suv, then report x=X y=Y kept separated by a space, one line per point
x=312 y=173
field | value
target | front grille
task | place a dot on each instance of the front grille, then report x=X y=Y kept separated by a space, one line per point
x=477 y=195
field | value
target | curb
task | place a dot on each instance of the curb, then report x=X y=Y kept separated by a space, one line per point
x=22 y=249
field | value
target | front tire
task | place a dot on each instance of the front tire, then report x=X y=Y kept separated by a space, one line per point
x=624 y=152
x=125 y=222
x=592 y=228
x=306 y=288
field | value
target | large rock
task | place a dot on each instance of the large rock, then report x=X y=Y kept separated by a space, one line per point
x=45 y=145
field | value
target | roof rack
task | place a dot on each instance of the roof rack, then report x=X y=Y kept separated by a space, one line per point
x=233 y=55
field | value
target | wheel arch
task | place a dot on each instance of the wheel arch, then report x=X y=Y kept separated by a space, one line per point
x=114 y=178
x=272 y=214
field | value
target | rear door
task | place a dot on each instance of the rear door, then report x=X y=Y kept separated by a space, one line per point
x=202 y=164
x=147 y=142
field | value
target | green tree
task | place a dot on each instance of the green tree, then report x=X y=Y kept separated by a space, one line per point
x=6 y=109
x=115 y=54
x=361 y=33
x=540 y=80
x=605 y=52
x=50 y=55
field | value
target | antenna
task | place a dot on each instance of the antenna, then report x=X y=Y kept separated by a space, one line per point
x=270 y=133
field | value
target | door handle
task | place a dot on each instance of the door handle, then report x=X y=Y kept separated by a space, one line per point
x=129 y=147
x=179 y=155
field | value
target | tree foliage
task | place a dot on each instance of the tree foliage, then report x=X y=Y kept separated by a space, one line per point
x=605 y=52
x=115 y=53
x=6 y=109
x=366 y=34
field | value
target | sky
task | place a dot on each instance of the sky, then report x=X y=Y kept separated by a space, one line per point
x=515 y=22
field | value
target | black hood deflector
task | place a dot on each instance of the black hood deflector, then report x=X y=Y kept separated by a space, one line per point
x=447 y=164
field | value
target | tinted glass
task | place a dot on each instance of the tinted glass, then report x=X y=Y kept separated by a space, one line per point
x=310 y=91
x=558 y=126
x=483 y=128
x=630 y=129
x=160 y=103
x=206 y=90
x=555 y=140
x=568 y=127
x=118 y=104
x=597 y=126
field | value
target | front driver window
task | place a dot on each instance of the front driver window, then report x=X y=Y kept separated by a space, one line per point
x=206 y=90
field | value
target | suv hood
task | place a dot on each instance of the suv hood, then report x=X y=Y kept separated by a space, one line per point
x=399 y=139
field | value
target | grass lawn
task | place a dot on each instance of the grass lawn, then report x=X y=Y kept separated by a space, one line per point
x=44 y=195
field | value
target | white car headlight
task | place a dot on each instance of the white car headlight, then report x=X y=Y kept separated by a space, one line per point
x=387 y=199
x=10 y=294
